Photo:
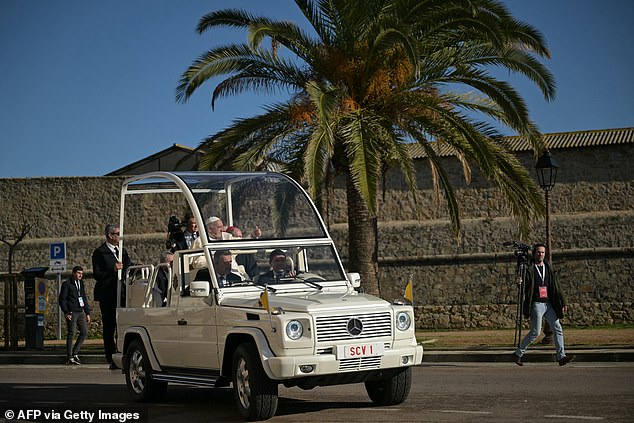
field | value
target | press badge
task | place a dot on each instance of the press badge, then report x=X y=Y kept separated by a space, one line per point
x=81 y=302
x=543 y=292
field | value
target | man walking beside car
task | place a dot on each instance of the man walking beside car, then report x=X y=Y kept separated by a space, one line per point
x=74 y=304
x=107 y=261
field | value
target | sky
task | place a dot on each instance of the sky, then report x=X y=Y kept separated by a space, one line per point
x=89 y=86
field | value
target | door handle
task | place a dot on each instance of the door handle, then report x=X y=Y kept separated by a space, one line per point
x=182 y=322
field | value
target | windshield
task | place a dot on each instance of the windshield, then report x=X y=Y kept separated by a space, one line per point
x=231 y=229
x=231 y=205
x=267 y=204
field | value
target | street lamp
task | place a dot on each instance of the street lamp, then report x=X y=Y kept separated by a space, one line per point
x=546 y=168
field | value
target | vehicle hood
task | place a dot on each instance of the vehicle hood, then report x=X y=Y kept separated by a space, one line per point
x=312 y=302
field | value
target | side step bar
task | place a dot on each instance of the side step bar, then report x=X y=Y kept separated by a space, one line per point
x=186 y=379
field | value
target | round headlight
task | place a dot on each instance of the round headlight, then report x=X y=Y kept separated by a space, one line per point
x=403 y=321
x=294 y=329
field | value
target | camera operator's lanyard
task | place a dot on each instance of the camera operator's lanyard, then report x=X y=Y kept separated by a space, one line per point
x=543 y=288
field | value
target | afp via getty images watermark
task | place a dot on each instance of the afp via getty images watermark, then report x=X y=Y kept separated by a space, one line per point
x=76 y=415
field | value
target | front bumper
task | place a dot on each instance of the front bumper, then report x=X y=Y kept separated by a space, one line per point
x=280 y=368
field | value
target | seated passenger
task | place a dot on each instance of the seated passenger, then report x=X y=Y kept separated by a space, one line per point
x=248 y=260
x=277 y=261
x=222 y=266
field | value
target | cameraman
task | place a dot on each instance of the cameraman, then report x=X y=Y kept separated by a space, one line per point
x=542 y=298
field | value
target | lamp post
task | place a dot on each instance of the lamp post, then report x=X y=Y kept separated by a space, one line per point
x=546 y=168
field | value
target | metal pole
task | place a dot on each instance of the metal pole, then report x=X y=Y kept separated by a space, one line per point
x=14 y=312
x=7 y=306
x=548 y=240
x=59 y=309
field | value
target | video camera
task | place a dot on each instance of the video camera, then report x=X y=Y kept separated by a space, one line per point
x=521 y=251
x=174 y=233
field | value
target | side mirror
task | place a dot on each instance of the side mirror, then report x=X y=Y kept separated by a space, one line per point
x=199 y=289
x=355 y=279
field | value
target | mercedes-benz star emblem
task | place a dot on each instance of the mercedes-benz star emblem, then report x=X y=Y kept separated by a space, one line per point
x=355 y=326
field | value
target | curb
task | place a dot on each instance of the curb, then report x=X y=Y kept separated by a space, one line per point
x=532 y=356
x=587 y=355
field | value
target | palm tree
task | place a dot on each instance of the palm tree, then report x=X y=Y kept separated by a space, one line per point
x=373 y=77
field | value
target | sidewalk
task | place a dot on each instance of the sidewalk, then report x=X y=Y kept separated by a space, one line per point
x=496 y=346
x=475 y=346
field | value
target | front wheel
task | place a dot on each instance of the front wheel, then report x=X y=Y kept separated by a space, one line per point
x=391 y=390
x=138 y=375
x=254 y=392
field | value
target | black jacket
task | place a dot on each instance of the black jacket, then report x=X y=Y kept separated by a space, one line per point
x=555 y=296
x=103 y=262
x=69 y=297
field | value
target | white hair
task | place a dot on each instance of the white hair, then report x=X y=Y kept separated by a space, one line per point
x=212 y=219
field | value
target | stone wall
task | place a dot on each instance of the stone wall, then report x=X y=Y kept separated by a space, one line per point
x=457 y=285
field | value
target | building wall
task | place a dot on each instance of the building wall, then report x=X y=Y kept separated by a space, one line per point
x=457 y=285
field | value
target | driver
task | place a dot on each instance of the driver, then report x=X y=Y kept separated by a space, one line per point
x=278 y=270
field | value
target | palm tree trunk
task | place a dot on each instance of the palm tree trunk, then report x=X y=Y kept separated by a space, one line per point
x=362 y=240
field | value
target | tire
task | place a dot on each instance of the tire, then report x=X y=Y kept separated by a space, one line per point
x=392 y=390
x=138 y=375
x=255 y=394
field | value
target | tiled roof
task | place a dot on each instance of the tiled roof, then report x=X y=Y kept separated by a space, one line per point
x=170 y=158
x=554 y=141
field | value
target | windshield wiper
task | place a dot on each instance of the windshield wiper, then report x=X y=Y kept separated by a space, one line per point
x=267 y=287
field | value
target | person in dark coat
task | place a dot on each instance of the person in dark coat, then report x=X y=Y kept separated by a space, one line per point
x=190 y=234
x=107 y=262
x=543 y=298
x=74 y=304
x=162 y=276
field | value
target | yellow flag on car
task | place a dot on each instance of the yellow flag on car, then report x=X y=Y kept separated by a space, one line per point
x=264 y=299
x=409 y=289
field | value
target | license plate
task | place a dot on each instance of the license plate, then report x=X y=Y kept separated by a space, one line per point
x=360 y=350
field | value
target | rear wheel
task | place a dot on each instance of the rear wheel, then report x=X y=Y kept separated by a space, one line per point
x=254 y=392
x=392 y=390
x=138 y=375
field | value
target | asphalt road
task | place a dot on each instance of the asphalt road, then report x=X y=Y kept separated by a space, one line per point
x=440 y=393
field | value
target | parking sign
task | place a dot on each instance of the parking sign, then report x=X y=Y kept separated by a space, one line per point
x=58 y=256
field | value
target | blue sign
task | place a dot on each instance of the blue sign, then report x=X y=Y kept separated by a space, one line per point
x=58 y=251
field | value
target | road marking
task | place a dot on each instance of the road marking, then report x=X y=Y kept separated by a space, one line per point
x=465 y=412
x=556 y=416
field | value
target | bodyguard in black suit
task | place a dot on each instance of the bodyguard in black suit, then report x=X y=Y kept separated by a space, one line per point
x=189 y=235
x=107 y=260
x=74 y=304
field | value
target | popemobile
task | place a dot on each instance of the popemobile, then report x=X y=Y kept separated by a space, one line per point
x=272 y=307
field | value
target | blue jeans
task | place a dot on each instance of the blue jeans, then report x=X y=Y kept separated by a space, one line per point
x=539 y=311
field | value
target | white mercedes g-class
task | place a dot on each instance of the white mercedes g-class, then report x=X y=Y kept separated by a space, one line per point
x=271 y=307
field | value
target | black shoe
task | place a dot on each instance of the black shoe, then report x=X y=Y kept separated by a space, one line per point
x=517 y=359
x=567 y=359
x=76 y=358
x=72 y=362
x=112 y=366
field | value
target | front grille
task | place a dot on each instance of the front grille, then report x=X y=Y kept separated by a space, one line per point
x=335 y=328
x=362 y=363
